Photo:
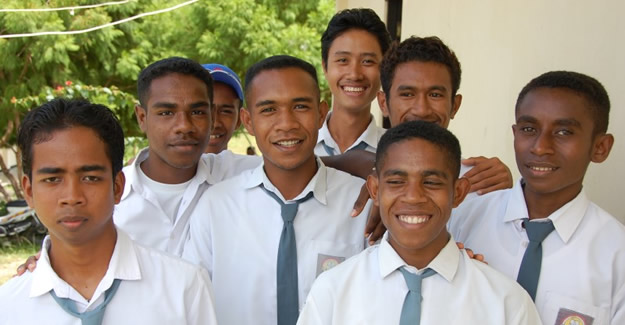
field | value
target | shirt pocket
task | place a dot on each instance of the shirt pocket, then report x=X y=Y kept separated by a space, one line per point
x=560 y=309
x=319 y=256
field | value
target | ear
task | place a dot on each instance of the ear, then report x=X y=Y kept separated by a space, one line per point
x=141 y=113
x=383 y=103
x=372 y=187
x=246 y=119
x=118 y=186
x=601 y=147
x=27 y=186
x=461 y=189
x=238 y=118
x=323 y=110
x=455 y=106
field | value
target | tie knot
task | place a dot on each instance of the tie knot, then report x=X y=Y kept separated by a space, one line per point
x=413 y=280
x=538 y=231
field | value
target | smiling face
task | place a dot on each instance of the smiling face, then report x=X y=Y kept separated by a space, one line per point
x=284 y=115
x=177 y=122
x=554 y=142
x=352 y=70
x=420 y=91
x=72 y=189
x=415 y=190
x=226 y=105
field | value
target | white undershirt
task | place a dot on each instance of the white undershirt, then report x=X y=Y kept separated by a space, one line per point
x=168 y=196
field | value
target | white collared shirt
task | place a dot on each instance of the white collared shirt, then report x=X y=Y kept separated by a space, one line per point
x=370 y=289
x=141 y=215
x=155 y=289
x=583 y=266
x=370 y=136
x=236 y=235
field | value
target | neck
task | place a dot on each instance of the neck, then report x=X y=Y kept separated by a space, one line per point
x=346 y=127
x=421 y=258
x=542 y=205
x=83 y=266
x=161 y=172
x=291 y=182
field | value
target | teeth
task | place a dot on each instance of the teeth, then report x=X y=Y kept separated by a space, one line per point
x=542 y=169
x=353 y=89
x=216 y=136
x=288 y=143
x=413 y=220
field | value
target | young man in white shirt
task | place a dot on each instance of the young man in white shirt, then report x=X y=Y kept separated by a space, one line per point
x=416 y=185
x=167 y=178
x=575 y=271
x=89 y=271
x=352 y=47
x=262 y=265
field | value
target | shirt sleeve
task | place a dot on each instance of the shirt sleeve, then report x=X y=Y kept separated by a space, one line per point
x=319 y=305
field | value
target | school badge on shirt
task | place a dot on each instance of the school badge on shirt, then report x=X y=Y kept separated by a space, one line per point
x=571 y=317
x=326 y=262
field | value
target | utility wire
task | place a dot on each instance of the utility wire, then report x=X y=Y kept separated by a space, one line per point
x=112 y=3
x=82 y=31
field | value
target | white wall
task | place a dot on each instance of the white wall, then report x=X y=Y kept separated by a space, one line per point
x=502 y=44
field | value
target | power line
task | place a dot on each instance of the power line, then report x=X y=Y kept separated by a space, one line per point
x=112 y=3
x=82 y=31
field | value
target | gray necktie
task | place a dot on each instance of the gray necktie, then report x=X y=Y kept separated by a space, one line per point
x=287 y=287
x=92 y=317
x=361 y=146
x=411 y=310
x=529 y=272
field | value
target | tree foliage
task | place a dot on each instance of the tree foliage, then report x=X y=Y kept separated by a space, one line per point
x=103 y=65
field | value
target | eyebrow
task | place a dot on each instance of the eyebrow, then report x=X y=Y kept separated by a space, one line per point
x=349 y=53
x=394 y=172
x=296 y=100
x=435 y=172
x=561 y=122
x=172 y=105
x=407 y=87
x=57 y=170
x=526 y=119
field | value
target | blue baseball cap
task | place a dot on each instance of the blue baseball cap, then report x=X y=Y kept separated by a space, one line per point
x=222 y=73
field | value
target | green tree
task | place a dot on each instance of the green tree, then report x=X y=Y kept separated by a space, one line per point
x=236 y=33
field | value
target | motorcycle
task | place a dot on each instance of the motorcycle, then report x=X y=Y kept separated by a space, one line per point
x=20 y=218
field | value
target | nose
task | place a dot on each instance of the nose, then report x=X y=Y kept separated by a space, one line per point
x=217 y=122
x=72 y=192
x=183 y=123
x=286 y=120
x=543 y=144
x=355 y=71
x=414 y=193
x=421 y=107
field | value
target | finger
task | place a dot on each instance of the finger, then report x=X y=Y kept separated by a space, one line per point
x=472 y=161
x=373 y=221
x=377 y=233
x=480 y=258
x=20 y=270
x=496 y=187
x=460 y=245
x=469 y=252
x=361 y=201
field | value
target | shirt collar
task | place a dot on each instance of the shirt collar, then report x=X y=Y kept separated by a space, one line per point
x=445 y=263
x=565 y=220
x=123 y=265
x=318 y=184
x=370 y=136
x=133 y=182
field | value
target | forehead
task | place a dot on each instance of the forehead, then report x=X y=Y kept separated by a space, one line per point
x=355 y=41
x=415 y=155
x=222 y=90
x=552 y=104
x=74 y=146
x=421 y=74
x=282 y=84
x=176 y=85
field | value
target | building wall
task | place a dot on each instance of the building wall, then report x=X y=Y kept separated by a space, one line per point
x=504 y=44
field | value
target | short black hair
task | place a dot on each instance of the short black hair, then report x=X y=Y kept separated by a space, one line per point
x=359 y=18
x=277 y=62
x=428 y=131
x=60 y=114
x=581 y=84
x=420 y=49
x=167 y=66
